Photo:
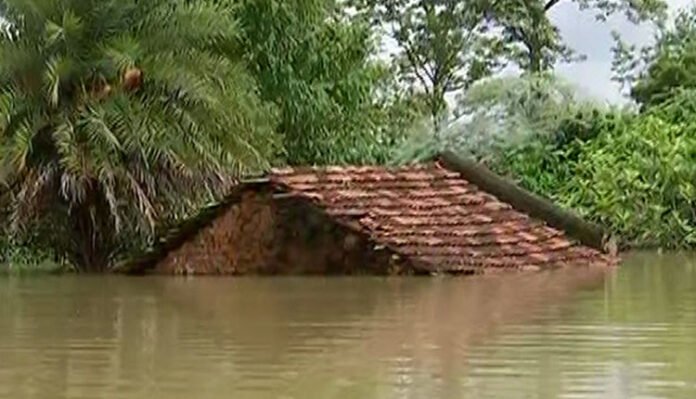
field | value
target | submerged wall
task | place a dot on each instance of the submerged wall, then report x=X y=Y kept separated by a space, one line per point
x=263 y=234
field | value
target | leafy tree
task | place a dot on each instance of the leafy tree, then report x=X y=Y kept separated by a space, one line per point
x=658 y=72
x=535 y=43
x=630 y=172
x=315 y=65
x=443 y=45
x=112 y=111
x=497 y=114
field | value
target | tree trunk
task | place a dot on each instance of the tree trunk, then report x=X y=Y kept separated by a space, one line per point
x=90 y=252
x=535 y=60
x=438 y=106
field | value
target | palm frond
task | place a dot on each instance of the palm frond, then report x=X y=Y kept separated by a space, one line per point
x=112 y=153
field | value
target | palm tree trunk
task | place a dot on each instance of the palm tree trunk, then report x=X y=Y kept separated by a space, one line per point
x=90 y=251
x=86 y=251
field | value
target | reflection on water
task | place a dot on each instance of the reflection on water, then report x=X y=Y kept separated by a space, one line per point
x=590 y=334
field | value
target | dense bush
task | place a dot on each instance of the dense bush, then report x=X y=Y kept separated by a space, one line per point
x=636 y=176
x=21 y=257
x=633 y=173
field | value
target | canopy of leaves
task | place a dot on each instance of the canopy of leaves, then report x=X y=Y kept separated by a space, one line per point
x=635 y=175
x=534 y=42
x=443 y=45
x=113 y=111
x=665 y=68
x=315 y=65
x=634 y=10
x=501 y=113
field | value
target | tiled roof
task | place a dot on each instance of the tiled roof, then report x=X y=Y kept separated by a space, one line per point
x=436 y=218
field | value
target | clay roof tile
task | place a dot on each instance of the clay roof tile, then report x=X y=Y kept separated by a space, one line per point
x=435 y=217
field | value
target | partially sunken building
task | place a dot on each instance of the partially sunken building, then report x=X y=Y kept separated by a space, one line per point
x=448 y=216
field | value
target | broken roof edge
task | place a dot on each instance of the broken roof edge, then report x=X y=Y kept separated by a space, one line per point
x=587 y=233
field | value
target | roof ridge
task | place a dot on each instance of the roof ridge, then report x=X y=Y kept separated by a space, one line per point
x=589 y=234
x=284 y=170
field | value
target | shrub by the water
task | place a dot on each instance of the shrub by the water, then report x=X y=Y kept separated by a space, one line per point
x=633 y=173
x=18 y=258
x=636 y=177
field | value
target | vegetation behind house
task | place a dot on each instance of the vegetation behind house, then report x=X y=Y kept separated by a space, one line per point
x=110 y=129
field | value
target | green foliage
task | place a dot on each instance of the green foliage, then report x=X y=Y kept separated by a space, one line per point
x=534 y=42
x=91 y=164
x=315 y=66
x=663 y=69
x=501 y=113
x=26 y=255
x=642 y=182
x=118 y=115
x=547 y=163
x=95 y=151
x=634 y=10
x=20 y=259
x=443 y=45
x=32 y=269
x=632 y=173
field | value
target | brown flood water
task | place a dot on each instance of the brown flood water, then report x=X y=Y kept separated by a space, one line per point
x=627 y=333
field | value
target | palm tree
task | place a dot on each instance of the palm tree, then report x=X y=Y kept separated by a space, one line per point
x=112 y=111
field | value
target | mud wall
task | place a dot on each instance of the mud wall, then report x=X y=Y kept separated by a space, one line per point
x=262 y=234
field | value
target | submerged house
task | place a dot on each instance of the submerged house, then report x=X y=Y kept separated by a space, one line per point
x=446 y=216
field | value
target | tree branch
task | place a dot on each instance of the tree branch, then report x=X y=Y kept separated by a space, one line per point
x=415 y=64
x=550 y=3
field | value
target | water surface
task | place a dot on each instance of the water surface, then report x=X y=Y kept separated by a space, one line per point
x=629 y=333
